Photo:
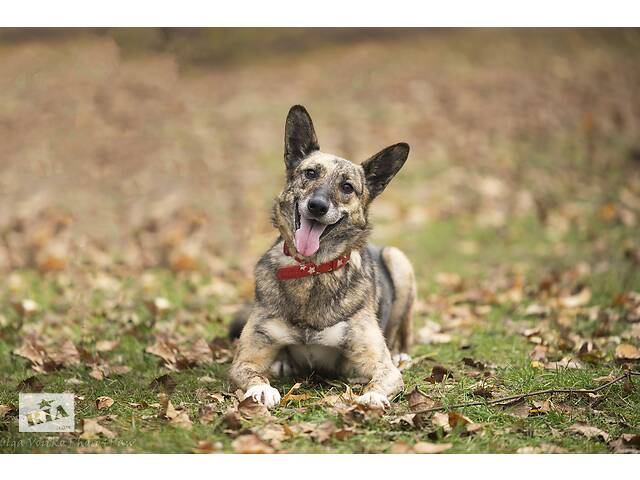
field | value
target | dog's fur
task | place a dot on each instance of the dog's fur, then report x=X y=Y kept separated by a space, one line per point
x=345 y=322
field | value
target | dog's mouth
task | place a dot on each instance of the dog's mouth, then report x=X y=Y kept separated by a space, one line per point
x=309 y=231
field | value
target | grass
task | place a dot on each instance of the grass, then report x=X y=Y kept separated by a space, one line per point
x=492 y=341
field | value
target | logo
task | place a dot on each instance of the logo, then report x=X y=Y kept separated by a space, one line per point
x=46 y=412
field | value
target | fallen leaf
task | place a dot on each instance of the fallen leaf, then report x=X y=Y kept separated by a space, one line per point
x=207 y=446
x=91 y=429
x=420 y=447
x=431 y=333
x=292 y=397
x=419 y=402
x=177 y=417
x=104 y=402
x=519 y=409
x=273 y=434
x=26 y=307
x=438 y=374
x=198 y=354
x=106 y=345
x=249 y=408
x=158 y=305
x=544 y=448
x=589 y=431
x=32 y=351
x=74 y=381
x=627 y=443
x=5 y=409
x=425 y=447
x=626 y=351
x=566 y=362
x=164 y=349
x=251 y=443
x=577 y=300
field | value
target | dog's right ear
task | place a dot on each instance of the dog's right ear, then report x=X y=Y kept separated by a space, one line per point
x=299 y=137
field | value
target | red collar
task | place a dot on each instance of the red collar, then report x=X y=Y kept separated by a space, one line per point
x=308 y=269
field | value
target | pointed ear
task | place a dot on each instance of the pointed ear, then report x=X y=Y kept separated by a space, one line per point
x=383 y=166
x=299 y=137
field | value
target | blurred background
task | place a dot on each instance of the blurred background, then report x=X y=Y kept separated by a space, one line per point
x=128 y=149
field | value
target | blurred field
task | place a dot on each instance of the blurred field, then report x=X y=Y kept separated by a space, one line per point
x=139 y=165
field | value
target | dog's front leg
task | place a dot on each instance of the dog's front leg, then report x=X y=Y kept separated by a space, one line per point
x=368 y=354
x=258 y=346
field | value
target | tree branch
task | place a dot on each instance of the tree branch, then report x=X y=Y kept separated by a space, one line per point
x=549 y=391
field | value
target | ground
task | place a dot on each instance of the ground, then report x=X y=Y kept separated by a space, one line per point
x=137 y=185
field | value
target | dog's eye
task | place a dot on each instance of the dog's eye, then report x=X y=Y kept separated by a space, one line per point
x=347 y=188
x=311 y=173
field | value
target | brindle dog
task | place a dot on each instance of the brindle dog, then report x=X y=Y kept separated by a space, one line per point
x=347 y=320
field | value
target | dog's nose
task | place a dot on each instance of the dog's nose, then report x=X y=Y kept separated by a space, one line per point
x=318 y=206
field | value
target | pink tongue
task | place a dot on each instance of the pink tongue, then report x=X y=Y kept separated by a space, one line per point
x=308 y=236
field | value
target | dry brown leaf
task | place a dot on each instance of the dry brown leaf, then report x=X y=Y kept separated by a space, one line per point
x=577 y=300
x=626 y=351
x=566 y=362
x=198 y=354
x=420 y=447
x=419 y=402
x=426 y=447
x=589 y=431
x=438 y=374
x=519 y=409
x=32 y=351
x=207 y=446
x=26 y=307
x=292 y=397
x=406 y=419
x=165 y=350
x=431 y=333
x=627 y=443
x=273 y=434
x=177 y=417
x=66 y=355
x=91 y=429
x=104 y=402
x=106 y=345
x=158 y=305
x=543 y=448
x=251 y=443
x=249 y=408
x=5 y=409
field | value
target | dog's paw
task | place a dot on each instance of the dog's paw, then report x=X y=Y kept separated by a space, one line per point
x=265 y=394
x=373 y=400
x=282 y=368
x=400 y=359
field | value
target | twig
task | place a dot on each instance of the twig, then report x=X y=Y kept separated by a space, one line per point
x=549 y=391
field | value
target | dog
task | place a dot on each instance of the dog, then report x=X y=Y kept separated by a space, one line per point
x=326 y=300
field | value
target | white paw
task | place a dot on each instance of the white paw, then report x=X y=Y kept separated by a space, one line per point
x=399 y=358
x=373 y=400
x=265 y=394
x=282 y=368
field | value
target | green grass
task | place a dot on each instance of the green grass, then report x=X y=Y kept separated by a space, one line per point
x=492 y=340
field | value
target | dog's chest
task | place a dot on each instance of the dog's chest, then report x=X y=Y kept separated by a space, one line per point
x=319 y=349
x=315 y=357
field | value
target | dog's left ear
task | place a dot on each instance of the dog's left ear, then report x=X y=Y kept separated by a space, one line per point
x=299 y=137
x=383 y=166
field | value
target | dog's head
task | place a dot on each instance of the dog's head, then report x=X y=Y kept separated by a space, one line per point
x=323 y=210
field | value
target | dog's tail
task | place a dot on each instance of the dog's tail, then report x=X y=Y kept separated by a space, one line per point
x=239 y=321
